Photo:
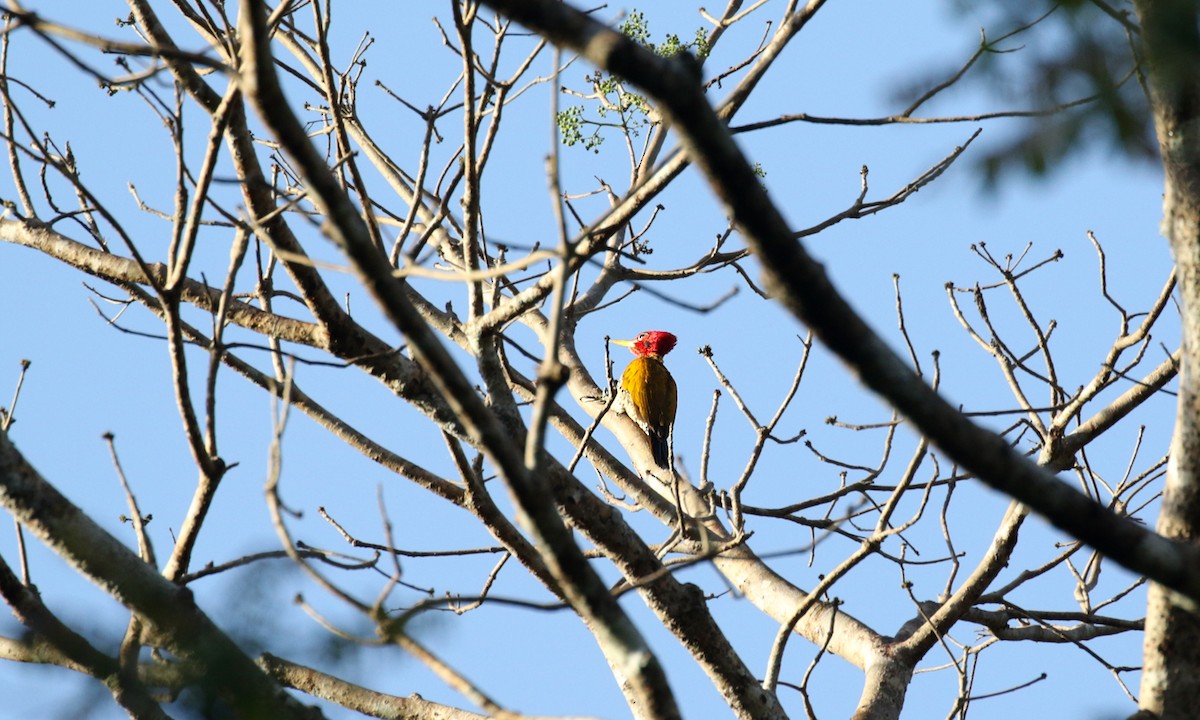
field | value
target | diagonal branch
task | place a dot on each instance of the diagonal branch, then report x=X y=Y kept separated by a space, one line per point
x=617 y=636
x=169 y=609
x=803 y=286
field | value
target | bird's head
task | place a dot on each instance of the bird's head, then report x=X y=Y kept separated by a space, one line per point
x=650 y=343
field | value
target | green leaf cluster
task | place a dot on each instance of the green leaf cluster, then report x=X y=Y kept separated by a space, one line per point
x=610 y=104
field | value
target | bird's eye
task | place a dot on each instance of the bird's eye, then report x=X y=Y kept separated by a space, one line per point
x=642 y=336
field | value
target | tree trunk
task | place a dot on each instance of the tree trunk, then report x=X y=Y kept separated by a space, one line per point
x=1171 y=46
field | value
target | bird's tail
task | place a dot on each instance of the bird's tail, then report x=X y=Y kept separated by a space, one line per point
x=660 y=447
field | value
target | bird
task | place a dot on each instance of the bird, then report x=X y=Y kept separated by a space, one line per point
x=648 y=394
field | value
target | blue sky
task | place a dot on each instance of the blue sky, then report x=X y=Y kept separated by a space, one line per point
x=87 y=378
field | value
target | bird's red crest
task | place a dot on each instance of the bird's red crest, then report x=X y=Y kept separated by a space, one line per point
x=653 y=342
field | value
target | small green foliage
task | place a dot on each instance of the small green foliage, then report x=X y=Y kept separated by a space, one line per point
x=635 y=28
x=673 y=45
x=570 y=126
x=758 y=170
x=611 y=104
x=569 y=123
x=700 y=43
x=634 y=102
x=604 y=84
